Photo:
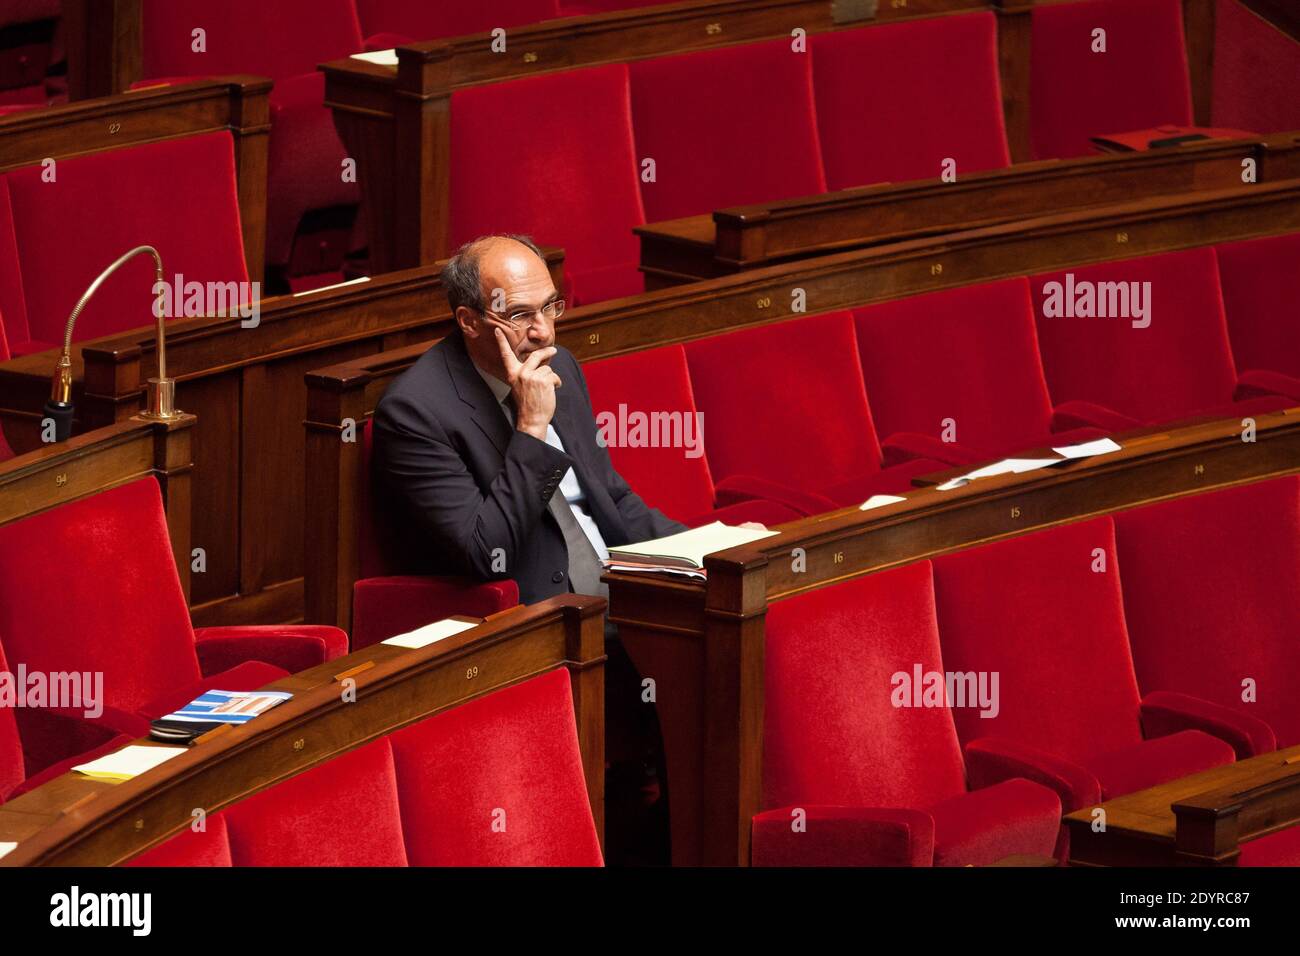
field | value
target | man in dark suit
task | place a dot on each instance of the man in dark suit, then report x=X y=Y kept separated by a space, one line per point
x=488 y=444
x=489 y=440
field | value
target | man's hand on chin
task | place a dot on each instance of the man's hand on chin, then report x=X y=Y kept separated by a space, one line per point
x=533 y=384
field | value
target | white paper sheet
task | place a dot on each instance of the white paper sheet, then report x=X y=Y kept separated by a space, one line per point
x=378 y=57
x=879 y=501
x=430 y=633
x=1088 y=449
x=1008 y=466
x=336 y=285
x=6 y=849
x=130 y=761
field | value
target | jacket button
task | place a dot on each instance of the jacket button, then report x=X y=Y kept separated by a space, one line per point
x=557 y=577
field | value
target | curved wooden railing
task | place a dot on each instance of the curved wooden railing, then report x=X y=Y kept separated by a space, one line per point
x=76 y=821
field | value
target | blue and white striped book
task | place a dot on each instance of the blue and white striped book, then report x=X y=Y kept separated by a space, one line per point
x=229 y=706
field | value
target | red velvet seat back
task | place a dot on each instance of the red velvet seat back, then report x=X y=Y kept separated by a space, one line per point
x=498 y=781
x=178 y=195
x=207 y=847
x=1140 y=81
x=653 y=381
x=799 y=385
x=341 y=813
x=1212 y=595
x=279 y=39
x=726 y=127
x=12 y=768
x=1033 y=609
x=422 y=20
x=1256 y=72
x=969 y=354
x=92 y=586
x=568 y=177
x=13 y=307
x=833 y=734
x=1178 y=366
x=1261 y=298
x=893 y=102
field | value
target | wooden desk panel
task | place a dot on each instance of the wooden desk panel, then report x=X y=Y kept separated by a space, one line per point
x=1142 y=829
x=76 y=821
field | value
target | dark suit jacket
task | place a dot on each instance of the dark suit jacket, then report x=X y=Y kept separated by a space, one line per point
x=467 y=483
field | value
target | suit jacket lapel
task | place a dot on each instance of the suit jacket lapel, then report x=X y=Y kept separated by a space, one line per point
x=473 y=391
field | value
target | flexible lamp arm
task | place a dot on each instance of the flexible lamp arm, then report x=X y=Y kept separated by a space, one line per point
x=161 y=389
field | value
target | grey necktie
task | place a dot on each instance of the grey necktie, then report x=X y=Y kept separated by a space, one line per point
x=584 y=564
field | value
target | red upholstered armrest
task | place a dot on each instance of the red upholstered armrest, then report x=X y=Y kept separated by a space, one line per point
x=386 y=41
x=738 y=488
x=54 y=734
x=1078 y=414
x=386 y=606
x=991 y=760
x=294 y=647
x=903 y=447
x=1263 y=384
x=1165 y=712
x=842 y=836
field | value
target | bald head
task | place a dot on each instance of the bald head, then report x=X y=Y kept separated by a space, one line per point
x=500 y=282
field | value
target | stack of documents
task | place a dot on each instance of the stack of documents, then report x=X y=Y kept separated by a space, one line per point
x=682 y=553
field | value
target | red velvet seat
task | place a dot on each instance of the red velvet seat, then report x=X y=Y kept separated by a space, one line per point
x=800 y=382
x=122 y=198
x=1261 y=295
x=657 y=382
x=696 y=116
x=1141 y=81
x=341 y=813
x=284 y=40
x=1180 y=366
x=1033 y=610
x=573 y=184
x=431 y=794
x=11 y=745
x=420 y=20
x=1245 y=95
x=92 y=586
x=386 y=601
x=968 y=354
x=881 y=784
x=893 y=102
x=521 y=802
x=1212 y=597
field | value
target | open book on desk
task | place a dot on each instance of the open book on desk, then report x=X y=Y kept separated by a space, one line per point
x=682 y=553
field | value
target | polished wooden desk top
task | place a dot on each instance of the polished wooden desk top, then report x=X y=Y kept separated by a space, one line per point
x=1148 y=814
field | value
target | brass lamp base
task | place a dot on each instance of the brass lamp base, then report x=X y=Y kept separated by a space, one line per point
x=162 y=400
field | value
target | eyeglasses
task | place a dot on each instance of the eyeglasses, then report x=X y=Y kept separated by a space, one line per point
x=551 y=311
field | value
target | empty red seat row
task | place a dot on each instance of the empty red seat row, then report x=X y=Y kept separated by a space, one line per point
x=684 y=135
x=91 y=586
x=496 y=781
x=1177 y=360
x=1119 y=666
x=948 y=378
